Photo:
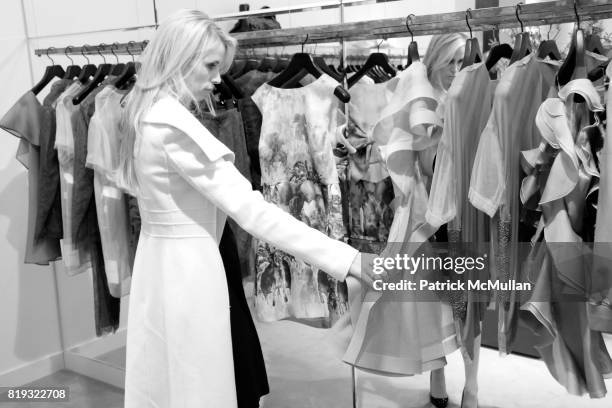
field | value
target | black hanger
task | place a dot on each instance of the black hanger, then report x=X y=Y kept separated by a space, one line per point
x=52 y=71
x=594 y=45
x=103 y=70
x=89 y=69
x=574 y=66
x=118 y=68
x=302 y=64
x=333 y=69
x=548 y=48
x=497 y=53
x=522 y=43
x=472 y=53
x=128 y=72
x=72 y=71
x=413 y=48
x=376 y=59
x=225 y=94
x=320 y=62
x=232 y=86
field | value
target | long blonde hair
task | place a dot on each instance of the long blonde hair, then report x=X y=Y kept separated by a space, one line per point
x=440 y=52
x=181 y=42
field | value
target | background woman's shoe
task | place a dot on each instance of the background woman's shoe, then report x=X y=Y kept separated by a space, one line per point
x=438 y=402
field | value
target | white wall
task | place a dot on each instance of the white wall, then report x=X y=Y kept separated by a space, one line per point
x=30 y=327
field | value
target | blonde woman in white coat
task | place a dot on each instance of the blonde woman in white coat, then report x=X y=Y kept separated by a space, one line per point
x=179 y=349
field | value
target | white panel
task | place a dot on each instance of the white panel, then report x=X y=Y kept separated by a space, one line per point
x=46 y=18
x=11 y=21
x=167 y=7
x=30 y=326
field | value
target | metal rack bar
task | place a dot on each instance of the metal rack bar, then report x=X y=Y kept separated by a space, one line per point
x=553 y=12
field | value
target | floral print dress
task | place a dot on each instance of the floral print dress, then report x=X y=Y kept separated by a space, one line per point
x=299 y=175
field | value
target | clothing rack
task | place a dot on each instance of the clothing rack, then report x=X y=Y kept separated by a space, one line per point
x=552 y=12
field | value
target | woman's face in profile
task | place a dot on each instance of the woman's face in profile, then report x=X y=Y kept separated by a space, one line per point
x=454 y=65
x=202 y=79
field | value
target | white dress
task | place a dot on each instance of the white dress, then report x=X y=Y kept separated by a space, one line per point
x=179 y=349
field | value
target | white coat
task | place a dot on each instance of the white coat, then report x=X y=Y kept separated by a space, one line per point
x=179 y=349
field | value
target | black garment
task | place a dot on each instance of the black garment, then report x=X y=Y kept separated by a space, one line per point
x=249 y=366
x=256 y=23
x=49 y=213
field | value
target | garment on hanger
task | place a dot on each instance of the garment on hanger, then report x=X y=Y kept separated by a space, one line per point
x=251 y=117
x=467 y=109
x=370 y=191
x=75 y=259
x=495 y=179
x=404 y=336
x=103 y=141
x=561 y=172
x=33 y=123
x=179 y=347
x=49 y=211
x=299 y=175
x=600 y=305
x=85 y=228
x=238 y=255
x=249 y=365
x=227 y=126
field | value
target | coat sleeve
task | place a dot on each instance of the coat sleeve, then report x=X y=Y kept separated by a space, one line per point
x=220 y=182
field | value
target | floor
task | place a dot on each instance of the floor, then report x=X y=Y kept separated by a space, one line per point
x=304 y=371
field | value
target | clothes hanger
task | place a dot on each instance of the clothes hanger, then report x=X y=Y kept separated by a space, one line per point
x=52 y=71
x=323 y=66
x=574 y=66
x=522 y=43
x=594 y=45
x=72 y=71
x=333 y=69
x=88 y=69
x=118 y=68
x=548 y=48
x=128 y=72
x=472 y=54
x=303 y=62
x=497 y=53
x=232 y=86
x=413 y=48
x=103 y=70
x=376 y=59
x=225 y=94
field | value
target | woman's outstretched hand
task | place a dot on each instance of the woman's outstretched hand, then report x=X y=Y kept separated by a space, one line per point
x=362 y=268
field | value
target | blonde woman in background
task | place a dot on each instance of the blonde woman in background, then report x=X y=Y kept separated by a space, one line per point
x=179 y=347
x=443 y=60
